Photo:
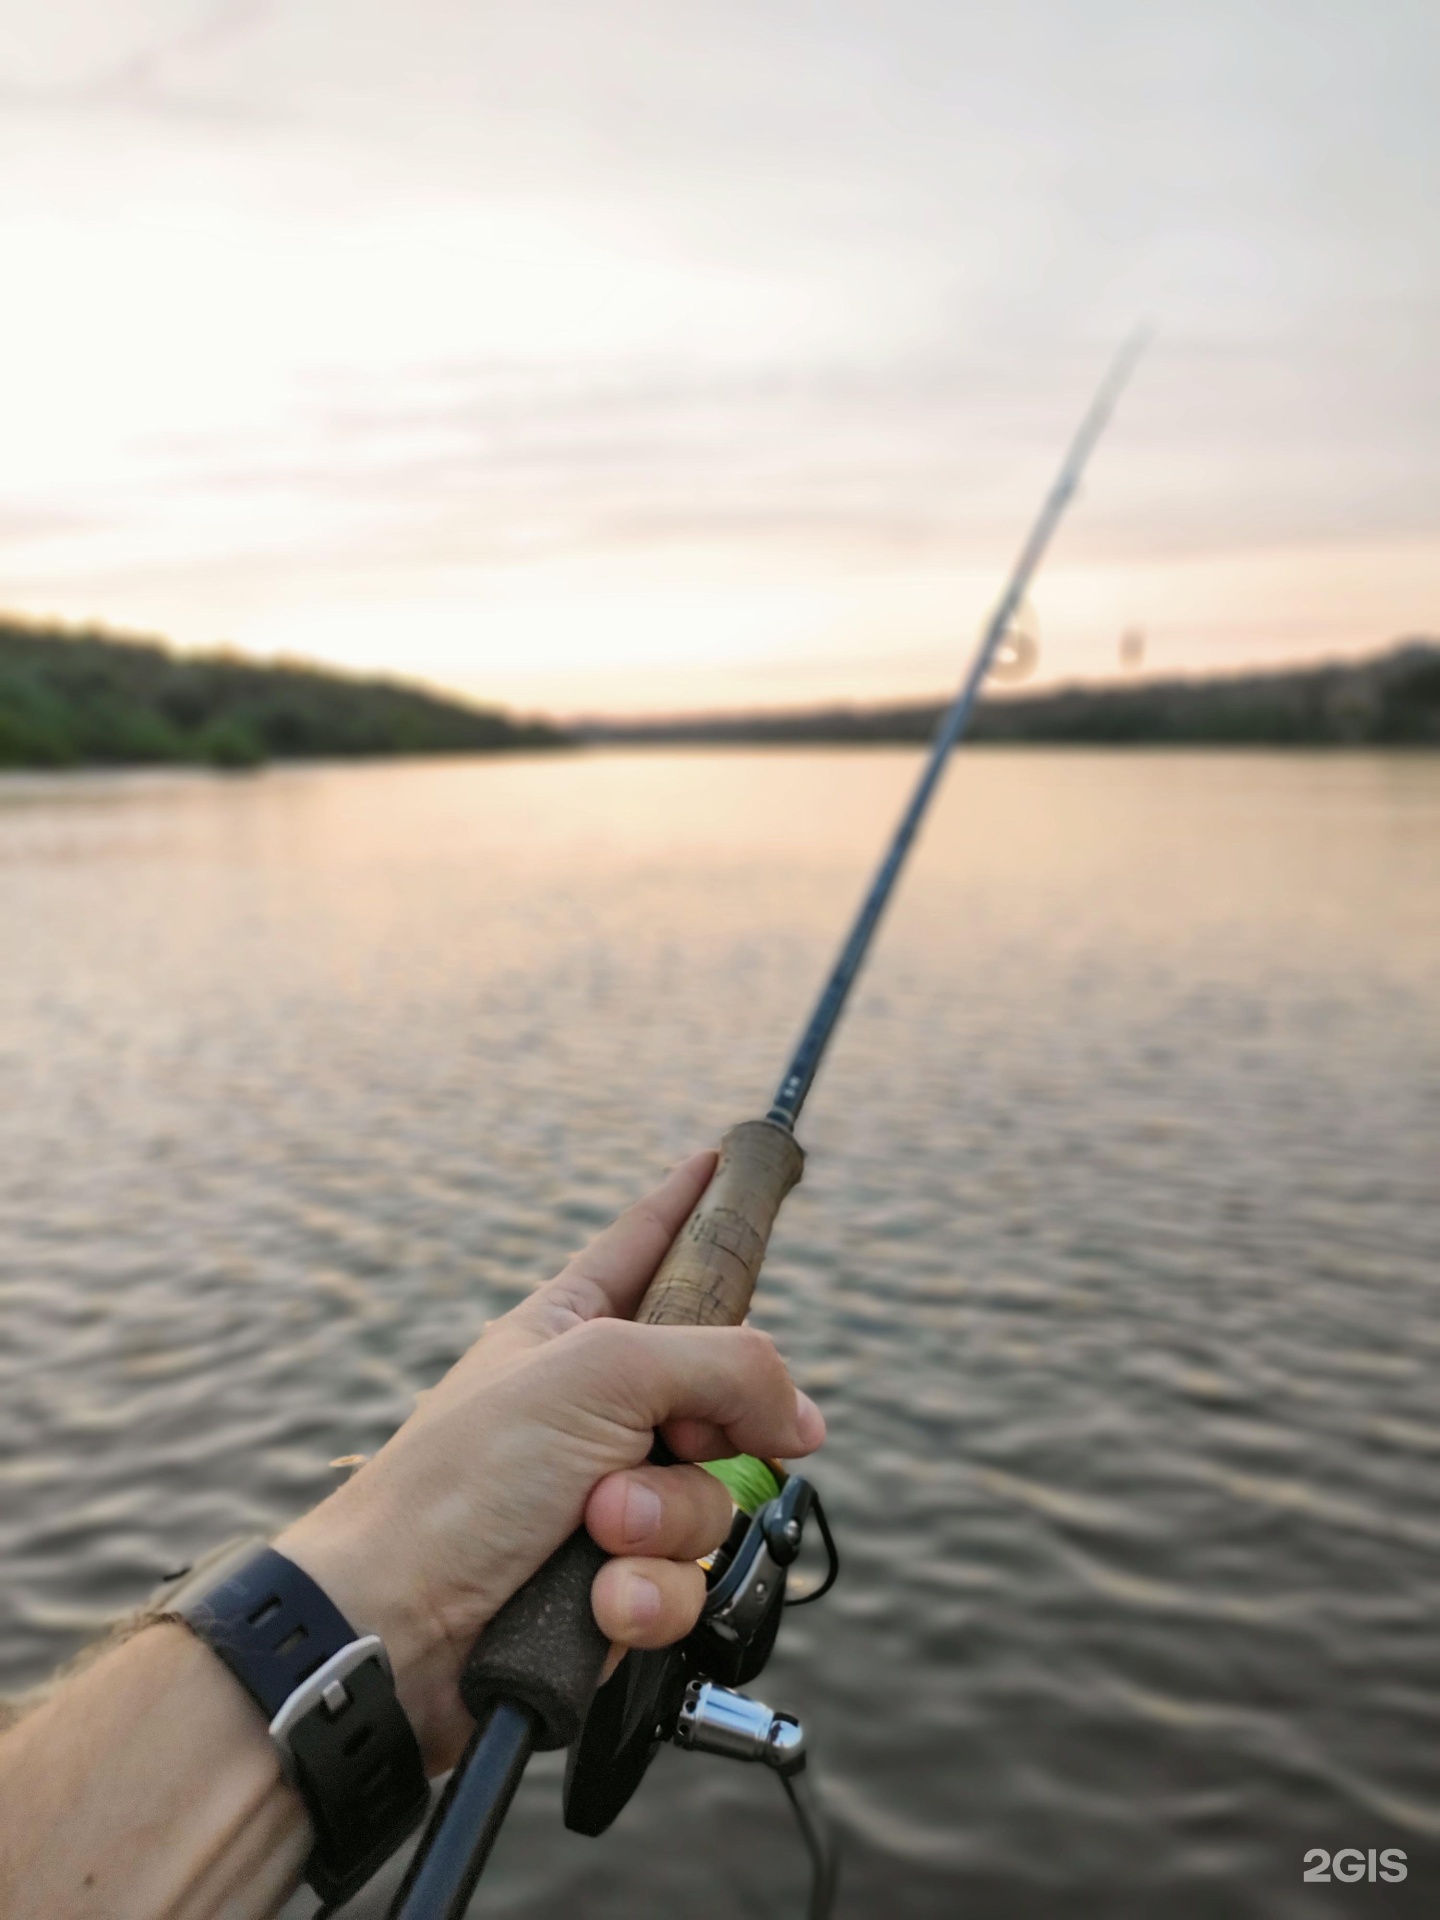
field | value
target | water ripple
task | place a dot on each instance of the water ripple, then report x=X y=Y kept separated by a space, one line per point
x=1113 y=1265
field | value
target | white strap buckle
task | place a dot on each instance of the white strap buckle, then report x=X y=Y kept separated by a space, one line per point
x=324 y=1688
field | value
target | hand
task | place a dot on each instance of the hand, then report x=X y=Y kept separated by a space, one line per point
x=548 y=1417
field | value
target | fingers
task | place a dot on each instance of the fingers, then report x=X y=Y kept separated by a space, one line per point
x=671 y=1513
x=658 y=1521
x=696 y=1440
x=715 y=1390
x=620 y=1263
x=609 y=1277
x=647 y=1603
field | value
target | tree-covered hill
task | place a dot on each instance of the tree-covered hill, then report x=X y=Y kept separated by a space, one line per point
x=71 y=698
x=1391 y=700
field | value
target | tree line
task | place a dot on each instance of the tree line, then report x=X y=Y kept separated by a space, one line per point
x=72 y=698
x=1391 y=700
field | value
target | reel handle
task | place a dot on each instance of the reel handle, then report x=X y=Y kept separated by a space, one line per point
x=543 y=1649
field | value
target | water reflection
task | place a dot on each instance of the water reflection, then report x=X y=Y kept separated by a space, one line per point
x=1114 y=1263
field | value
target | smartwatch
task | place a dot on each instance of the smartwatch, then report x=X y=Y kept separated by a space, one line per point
x=329 y=1695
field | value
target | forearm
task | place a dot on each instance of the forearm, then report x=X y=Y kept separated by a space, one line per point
x=147 y=1787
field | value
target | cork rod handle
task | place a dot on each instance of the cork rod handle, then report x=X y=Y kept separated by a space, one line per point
x=709 y=1274
x=543 y=1649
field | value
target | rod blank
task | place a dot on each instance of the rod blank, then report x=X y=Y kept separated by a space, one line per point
x=796 y=1081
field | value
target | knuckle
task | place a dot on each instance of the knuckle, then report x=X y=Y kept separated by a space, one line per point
x=754 y=1345
x=760 y=1355
x=605 y=1341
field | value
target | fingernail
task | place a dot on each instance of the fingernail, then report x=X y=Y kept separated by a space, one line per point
x=809 y=1419
x=642 y=1512
x=642 y=1600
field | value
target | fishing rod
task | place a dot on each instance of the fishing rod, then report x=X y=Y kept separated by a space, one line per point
x=531 y=1680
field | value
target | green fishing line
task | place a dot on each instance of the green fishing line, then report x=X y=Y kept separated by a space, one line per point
x=750 y=1481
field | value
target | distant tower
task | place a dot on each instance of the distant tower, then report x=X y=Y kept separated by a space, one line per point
x=1132 y=647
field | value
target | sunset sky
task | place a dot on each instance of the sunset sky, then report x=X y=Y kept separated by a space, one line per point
x=612 y=355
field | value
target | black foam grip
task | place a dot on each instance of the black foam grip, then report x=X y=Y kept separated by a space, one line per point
x=543 y=1649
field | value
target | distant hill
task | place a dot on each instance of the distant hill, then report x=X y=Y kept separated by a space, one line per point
x=1391 y=700
x=72 y=698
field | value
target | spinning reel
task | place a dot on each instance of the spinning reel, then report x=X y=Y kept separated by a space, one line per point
x=688 y=1694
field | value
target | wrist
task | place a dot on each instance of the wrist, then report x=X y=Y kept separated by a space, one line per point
x=339 y=1729
x=344 y=1551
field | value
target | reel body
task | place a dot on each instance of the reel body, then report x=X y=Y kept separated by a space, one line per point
x=672 y=1694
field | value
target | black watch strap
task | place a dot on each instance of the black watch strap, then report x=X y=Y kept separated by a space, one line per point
x=328 y=1695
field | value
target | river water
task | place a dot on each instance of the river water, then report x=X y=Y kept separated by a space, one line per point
x=1115 y=1264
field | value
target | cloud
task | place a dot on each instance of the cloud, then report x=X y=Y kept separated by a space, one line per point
x=131 y=65
x=332 y=306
